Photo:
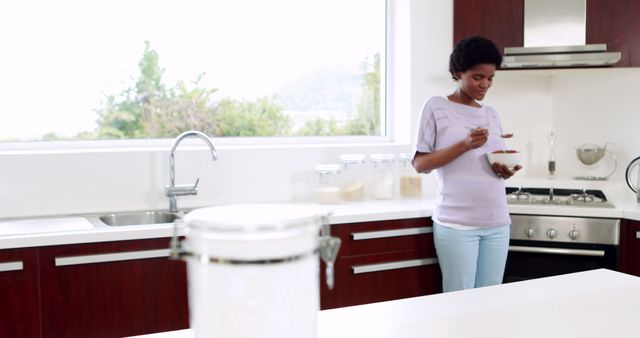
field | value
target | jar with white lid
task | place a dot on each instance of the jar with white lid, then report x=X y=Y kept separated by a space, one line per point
x=352 y=177
x=410 y=182
x=253 y=269
x=382 y=180
x=328 y=183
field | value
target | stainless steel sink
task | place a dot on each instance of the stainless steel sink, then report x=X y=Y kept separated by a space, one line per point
x=138 y=218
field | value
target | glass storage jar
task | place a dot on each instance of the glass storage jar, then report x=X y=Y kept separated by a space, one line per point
x=328 y=184
x=382 y=176
x=253 y=269
x=409 y=180
x=352 y=177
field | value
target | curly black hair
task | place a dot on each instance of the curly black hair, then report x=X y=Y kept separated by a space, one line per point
x=472 y=51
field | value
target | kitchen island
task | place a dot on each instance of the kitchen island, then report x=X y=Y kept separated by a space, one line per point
x=597 y=303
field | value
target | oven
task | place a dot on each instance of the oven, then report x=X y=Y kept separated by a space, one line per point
x=543 y=246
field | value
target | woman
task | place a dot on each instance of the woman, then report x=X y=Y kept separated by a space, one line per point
x=470 y=219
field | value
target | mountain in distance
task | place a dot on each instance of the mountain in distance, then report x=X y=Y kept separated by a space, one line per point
x=336 y=88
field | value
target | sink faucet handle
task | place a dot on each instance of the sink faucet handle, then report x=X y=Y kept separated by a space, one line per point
x=172 y=190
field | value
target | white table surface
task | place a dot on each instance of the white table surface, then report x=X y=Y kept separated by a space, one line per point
x=598 y=303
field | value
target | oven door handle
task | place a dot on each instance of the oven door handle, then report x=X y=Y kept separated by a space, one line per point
x=557 y=251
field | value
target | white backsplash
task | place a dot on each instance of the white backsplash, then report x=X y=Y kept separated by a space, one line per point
x=582 y=106
x=72 y=183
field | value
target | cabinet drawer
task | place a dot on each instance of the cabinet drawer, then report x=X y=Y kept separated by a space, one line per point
x=112 y=289
x=377 y=278
x=384 y=236
x=629 y=260
x=19 y=308
x=71 y=250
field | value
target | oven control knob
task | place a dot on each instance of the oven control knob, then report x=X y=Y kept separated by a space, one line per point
x=574 y=234
x=530 y=232
x=552 y=233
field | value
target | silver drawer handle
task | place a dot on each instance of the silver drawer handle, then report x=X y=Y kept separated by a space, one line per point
x=557 y=251
x=638 y=234
x=393 y=265
x=357 y=236
x=11 y=266
x=111 y=257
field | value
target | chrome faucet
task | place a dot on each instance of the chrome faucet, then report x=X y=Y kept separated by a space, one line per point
x=172 y=190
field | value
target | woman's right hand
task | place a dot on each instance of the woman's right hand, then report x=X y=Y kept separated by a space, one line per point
x=476 y=138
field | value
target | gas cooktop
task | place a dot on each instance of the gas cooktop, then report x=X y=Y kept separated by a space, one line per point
x=561 y=197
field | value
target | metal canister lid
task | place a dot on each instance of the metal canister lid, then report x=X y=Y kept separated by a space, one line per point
x=328 y=168
x=405 y=156
x=382 y=157
x=253 y=217
x=352 y=158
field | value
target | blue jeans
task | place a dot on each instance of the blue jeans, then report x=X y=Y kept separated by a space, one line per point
x=471 y=258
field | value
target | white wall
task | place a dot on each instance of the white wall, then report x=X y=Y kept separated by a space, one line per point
x=597 y=106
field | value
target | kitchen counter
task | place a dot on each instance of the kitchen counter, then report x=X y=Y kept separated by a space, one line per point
x=43 y=231
x=596 y=303
x=53 y=232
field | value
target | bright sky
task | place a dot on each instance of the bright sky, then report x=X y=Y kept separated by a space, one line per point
x=59 y=58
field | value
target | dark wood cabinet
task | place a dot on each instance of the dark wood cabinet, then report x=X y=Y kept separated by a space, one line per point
x=109 y=289
x=112 y=289
x=502 y=21
x=614 y=22
x=383 y=260
x=125 y=288
x=19 y=306
x=630 y=247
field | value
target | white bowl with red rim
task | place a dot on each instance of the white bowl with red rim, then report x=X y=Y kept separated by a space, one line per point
x=510 y=158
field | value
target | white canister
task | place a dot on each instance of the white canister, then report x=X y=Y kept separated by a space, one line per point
x=328 y=185
x=382 y=181
x=352 y=185
x=409 y=180
x=253 y=269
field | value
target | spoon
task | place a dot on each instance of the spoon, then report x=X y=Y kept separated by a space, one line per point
x=505 y=135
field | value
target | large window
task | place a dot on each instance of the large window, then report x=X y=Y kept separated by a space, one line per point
x=133 y=69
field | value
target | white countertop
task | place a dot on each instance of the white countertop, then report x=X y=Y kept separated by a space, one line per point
x=52 y=231
x=598 y=303
x=43 y=231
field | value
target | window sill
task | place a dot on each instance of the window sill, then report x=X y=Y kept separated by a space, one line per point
x=115 y=146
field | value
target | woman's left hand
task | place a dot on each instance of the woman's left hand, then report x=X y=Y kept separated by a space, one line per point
x=503 y=171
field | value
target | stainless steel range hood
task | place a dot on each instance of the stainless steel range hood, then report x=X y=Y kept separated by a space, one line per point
x=554 y=36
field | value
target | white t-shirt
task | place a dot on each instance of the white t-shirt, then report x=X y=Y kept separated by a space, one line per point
x=469 y=192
